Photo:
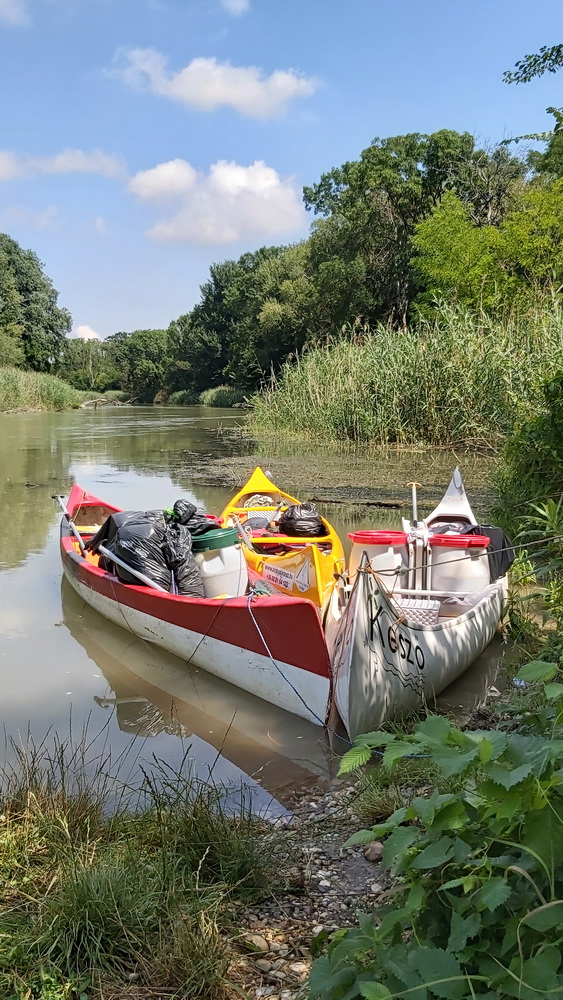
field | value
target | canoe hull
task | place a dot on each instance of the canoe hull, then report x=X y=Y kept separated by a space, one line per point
x=231 y=638
x=384 y=668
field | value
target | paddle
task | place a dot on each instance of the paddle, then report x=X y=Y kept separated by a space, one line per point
x=243 y=533
x=413 y=487
x=105 y=552
x=60 y=500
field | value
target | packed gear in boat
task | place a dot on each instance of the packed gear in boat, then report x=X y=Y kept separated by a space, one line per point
x=157 y=544
x=301 y=520
x=287 y=543
x=267 y=643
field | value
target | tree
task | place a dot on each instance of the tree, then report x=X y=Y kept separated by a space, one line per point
x=454 y=257
x=375 y=203
x=86 y=364
x=549 y=164
x=199 y=340
x=549 y=59
x=142 y=360
x=43 y=324
x=492 y=266
x=11 y=329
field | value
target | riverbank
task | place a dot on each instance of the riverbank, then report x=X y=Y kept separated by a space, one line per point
x=24 y=391
x=167 y=893
x=460 y=380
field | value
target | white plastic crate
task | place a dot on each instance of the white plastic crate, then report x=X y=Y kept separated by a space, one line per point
x=418 y=610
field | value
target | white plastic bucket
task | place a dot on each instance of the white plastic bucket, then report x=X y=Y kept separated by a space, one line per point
x=460 y=564
x=386 y=551
x=221 y=562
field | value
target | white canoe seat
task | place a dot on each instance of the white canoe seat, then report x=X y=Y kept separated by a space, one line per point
x=420 y=611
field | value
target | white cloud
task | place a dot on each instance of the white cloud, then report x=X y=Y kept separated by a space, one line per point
x=206 y=84
x=9 y=166
x=76 y=161
x=230 y=203
x=167 y=180
x=236 y=7
x=68 y=161
x=19 y=215
x=13 y=12
x=85 y=333
x=99 y=225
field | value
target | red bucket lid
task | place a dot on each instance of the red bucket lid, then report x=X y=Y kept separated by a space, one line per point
x=460 y=541
x=378 y=537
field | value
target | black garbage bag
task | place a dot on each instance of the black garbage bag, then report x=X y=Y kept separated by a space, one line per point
x=139 y=541
x=302 y=521
x=106 y=534
x=196 y=521
x=151 y=544
x=181 y=561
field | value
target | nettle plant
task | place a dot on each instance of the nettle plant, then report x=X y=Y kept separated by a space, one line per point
x=476 y=907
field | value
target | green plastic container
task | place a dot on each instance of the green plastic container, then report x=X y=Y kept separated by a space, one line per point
x=220 y=538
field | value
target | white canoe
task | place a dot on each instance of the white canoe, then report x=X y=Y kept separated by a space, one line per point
x=386 y=659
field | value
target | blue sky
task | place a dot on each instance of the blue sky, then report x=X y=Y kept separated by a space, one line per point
x=141 y=140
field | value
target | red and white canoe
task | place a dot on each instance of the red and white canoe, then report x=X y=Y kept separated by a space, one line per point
x=272 y=646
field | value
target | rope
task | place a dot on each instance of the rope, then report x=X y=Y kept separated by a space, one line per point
x=278 y=668
x=340 y=736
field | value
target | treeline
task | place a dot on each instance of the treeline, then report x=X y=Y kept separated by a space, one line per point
x=415 y=221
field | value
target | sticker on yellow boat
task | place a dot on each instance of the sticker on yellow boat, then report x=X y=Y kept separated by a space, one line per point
x=302 y=578
x=285 y=578
x=279 y=576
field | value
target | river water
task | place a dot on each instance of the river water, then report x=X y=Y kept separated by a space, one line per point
x=66 y=670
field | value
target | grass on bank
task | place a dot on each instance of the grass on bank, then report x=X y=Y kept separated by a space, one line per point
x=22 y=390
x=95 y=895
x=459 y=378
x=222 y=395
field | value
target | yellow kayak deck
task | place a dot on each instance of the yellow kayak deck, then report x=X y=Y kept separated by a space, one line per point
x=302 y=567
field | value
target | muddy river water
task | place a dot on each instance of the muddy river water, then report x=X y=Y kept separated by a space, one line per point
x=66 y=670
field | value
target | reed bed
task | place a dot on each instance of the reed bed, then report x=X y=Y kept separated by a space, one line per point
x=222 y=395
x=459 y=379
x=21 y=390
x=183 y=397
x=100 y=890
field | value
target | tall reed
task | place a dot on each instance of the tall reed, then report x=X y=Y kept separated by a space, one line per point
x=460 y=378
x=21 y=390
x=222 y=395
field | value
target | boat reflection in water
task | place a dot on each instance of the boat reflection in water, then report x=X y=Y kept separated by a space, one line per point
x=154 y=693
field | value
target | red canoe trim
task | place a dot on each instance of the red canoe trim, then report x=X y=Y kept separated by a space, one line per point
x=459 y=541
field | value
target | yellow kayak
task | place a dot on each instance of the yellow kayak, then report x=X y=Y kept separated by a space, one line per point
x=300 y=566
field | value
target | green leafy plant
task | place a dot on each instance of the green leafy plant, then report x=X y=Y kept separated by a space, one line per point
x=477 y=903
x=544 y=525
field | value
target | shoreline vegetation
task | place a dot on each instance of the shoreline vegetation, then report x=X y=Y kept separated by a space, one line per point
x=103 y=889
x=25 y=391
x=31 y=392
x=458 y=378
